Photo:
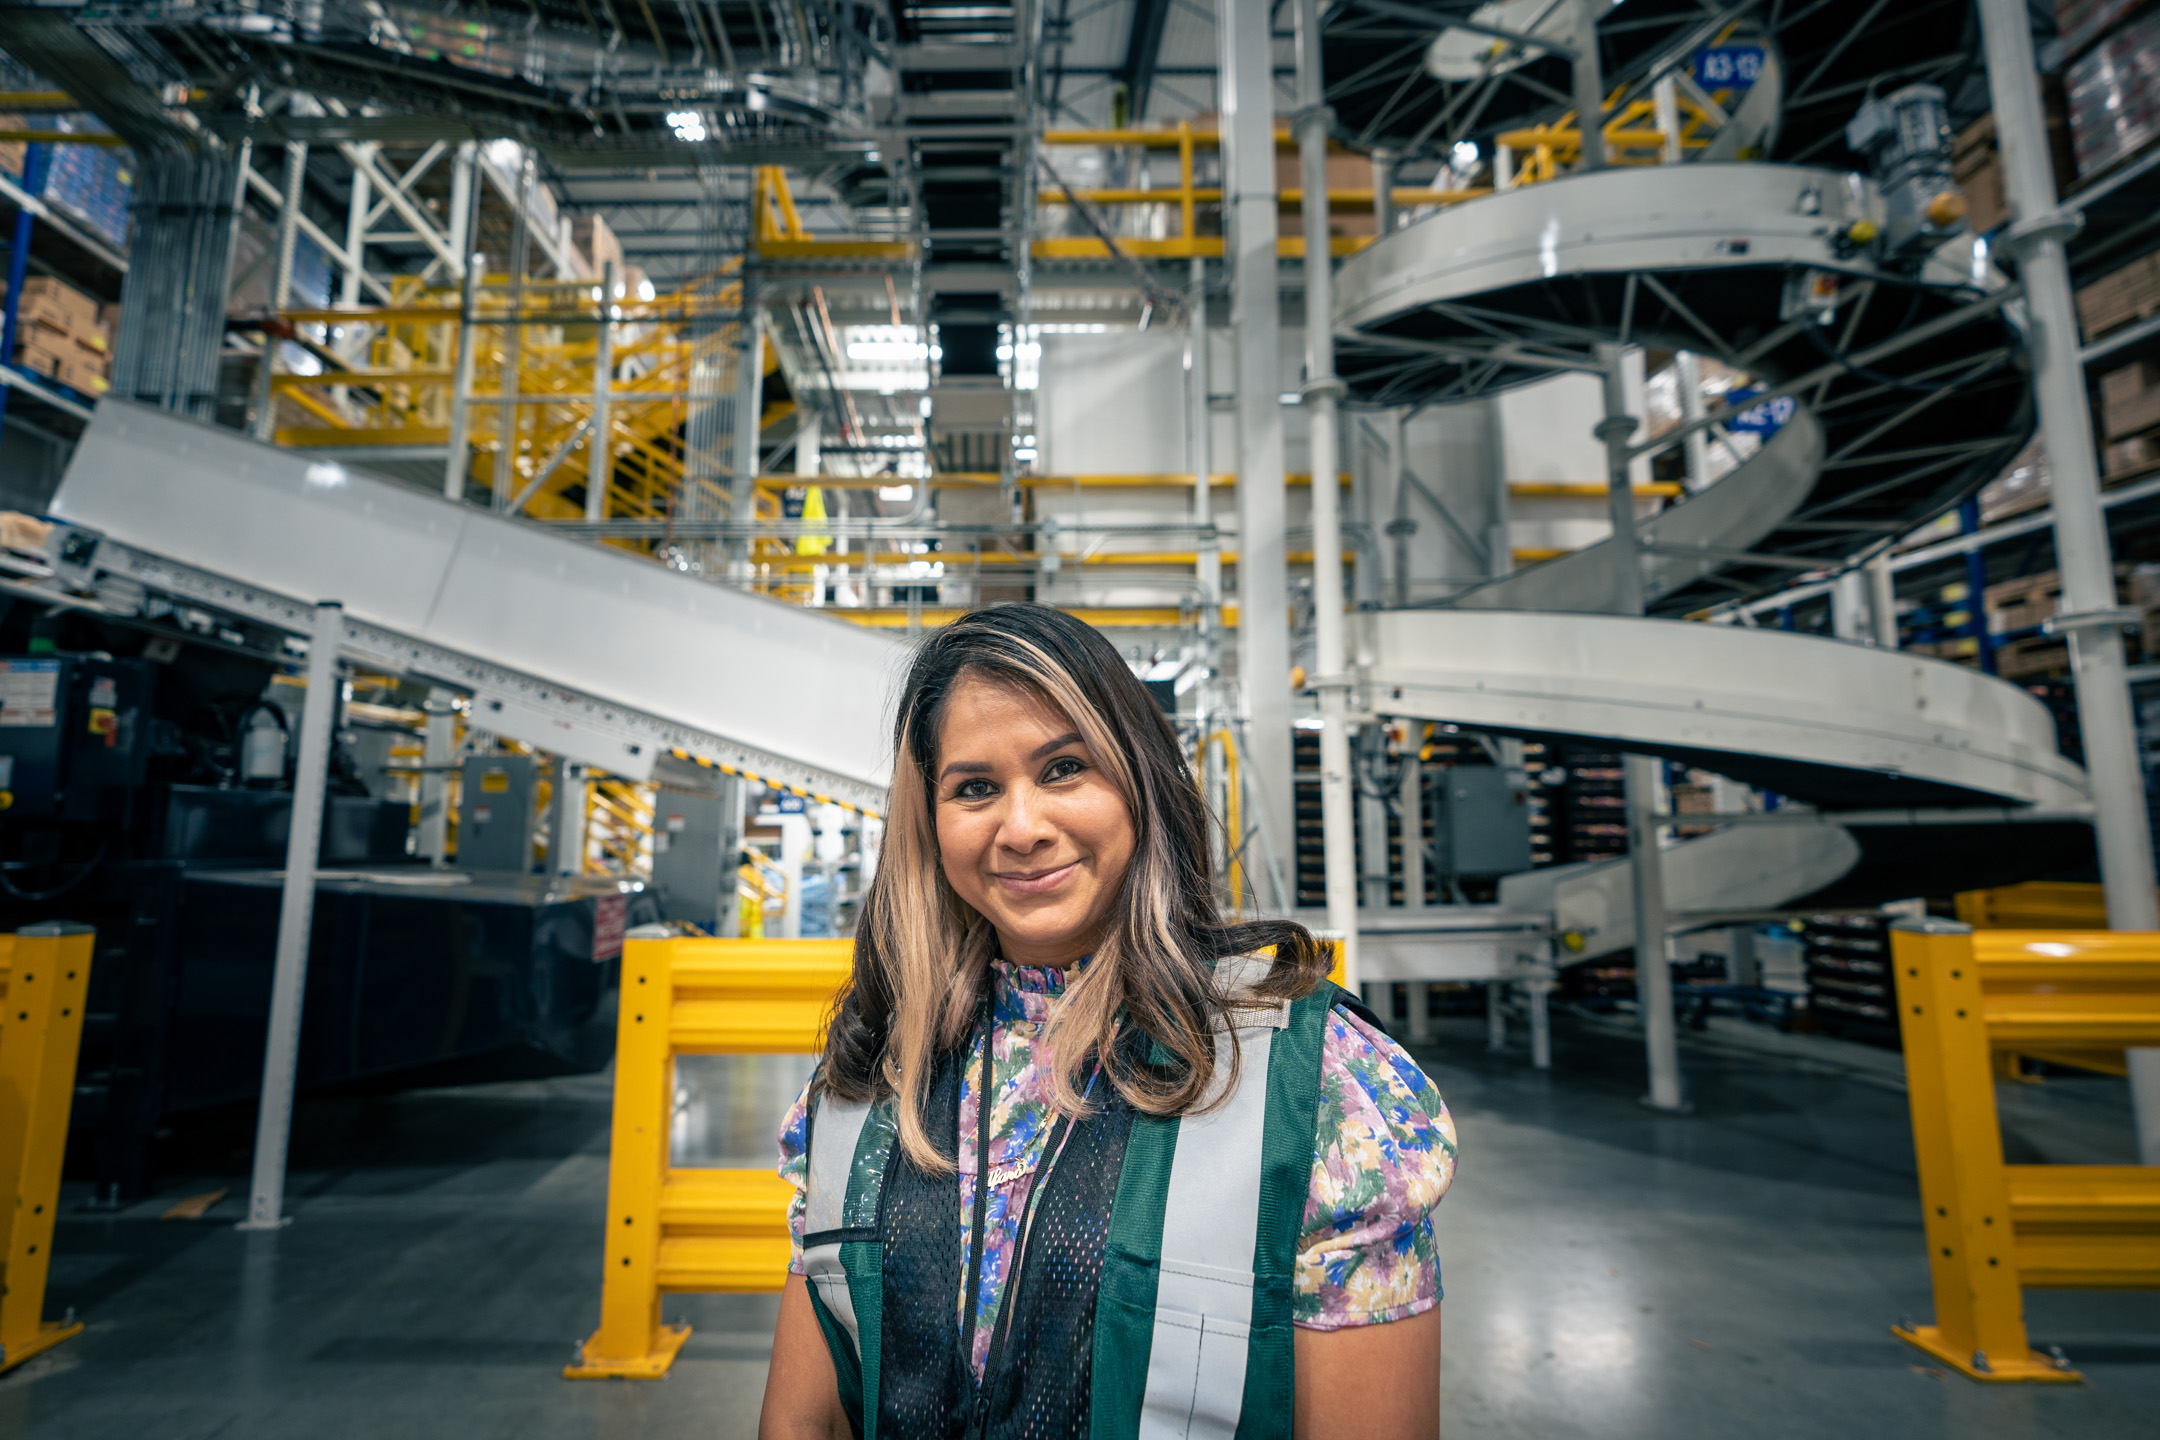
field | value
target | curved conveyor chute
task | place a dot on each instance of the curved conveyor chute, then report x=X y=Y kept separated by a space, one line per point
x=1910 y=397
x=575 y=648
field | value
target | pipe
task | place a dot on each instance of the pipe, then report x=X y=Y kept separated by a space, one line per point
x=1250 y=218
x=1589 y=83
x=2090 y=616
x=457 y=458
x=599 y=445
x=1338 y=840
x=1383 y=192
x=296 y=920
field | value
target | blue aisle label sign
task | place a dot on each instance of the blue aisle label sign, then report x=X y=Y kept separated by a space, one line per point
x=1727 y=67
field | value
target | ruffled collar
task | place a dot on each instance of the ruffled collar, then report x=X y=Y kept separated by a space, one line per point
x=1028 y=990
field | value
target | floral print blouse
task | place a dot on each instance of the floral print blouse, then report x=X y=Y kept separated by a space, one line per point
x=1385 y=1156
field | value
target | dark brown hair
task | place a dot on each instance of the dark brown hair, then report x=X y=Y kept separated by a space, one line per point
x=922 y=954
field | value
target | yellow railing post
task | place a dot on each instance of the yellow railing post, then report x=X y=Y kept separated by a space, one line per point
x=1979 y=1309
x=48 y=976
x=687 y=1230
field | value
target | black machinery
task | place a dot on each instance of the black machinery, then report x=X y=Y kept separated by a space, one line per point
x=145 y=789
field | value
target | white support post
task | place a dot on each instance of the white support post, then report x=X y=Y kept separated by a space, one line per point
x=600 y=447
x=1665 y=100
x=1653 y=974
x=2090 y=614
x=1882 y=601
x=457 y=457
x=1247 y=83
x=438 y=748
x=1200 y=446
x=296 y=921
x=749 y=403
x=1540 y=1022
x=355 y=239
x=1496 y=1015
x=1687 y=366
x=566 y=850
x=1412 y=806
x=288 y=236
x=1653 y=964
x=1589 y=87
x=513 y=372
x=1383 y=192
x=1321 y=390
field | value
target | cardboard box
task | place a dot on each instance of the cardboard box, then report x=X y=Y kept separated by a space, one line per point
x=2024 y=486
x=2130 y=399
x=1345 y=171
x=2133 y=456
x=57 y=306
x=2028 y=659
x=2121 y=297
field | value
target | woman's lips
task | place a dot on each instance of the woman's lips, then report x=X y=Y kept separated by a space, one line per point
x=1035 y=882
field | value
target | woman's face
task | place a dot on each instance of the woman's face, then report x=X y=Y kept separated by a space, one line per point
x=1031 y=831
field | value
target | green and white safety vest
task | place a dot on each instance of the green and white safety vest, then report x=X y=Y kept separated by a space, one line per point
x=1150 y=1293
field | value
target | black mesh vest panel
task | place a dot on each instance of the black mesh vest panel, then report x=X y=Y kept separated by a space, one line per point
x=1038 y=1373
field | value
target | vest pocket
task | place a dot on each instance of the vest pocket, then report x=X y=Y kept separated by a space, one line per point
x=1196 y=1376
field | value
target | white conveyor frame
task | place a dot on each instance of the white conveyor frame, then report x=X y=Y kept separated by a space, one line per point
x=585 y=651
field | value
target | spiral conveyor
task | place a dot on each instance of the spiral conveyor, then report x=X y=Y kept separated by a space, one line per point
x=1910 y=390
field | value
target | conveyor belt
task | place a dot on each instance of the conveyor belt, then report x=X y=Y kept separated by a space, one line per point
x=1911 y=398
x=578 y=649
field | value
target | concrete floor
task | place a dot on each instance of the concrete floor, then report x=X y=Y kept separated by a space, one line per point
x=1610 y=1272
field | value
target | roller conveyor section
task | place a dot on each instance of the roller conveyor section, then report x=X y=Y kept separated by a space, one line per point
x=577 y=649
x=1913 y=775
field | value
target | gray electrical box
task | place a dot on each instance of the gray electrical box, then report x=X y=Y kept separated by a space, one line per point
x=697 y=840
x=1481 y=820
x=496 y=810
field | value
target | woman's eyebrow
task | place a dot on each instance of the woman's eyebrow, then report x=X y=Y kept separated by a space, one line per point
x=965 y=767
x=1058 y=744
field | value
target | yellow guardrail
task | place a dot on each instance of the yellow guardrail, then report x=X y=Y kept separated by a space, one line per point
x=677 y=1229
x=44 y=978
x=1993 y=1228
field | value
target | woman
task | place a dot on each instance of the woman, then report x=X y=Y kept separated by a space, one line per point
x=1198 y=1198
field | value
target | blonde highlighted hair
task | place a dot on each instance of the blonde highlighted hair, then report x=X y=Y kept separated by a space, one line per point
x=922 y=954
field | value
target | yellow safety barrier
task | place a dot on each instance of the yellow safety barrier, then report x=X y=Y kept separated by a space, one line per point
x=1994 y=1229
x=682 y=1230
x=47 y=975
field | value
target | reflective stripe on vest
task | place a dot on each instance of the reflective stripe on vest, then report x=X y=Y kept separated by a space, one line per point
x=834 y=1135
x=1211 y=1220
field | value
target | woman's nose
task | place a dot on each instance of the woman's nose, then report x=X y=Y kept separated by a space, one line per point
x=1024 y=824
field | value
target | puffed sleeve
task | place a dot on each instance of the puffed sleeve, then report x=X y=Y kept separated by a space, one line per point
x=1383 y=1156
x=795 y=1169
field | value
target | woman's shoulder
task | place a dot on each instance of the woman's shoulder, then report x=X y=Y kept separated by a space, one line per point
x=1383 y=1130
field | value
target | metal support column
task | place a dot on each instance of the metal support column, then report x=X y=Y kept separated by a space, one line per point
x=1321 y=390
x=1402 y=527
x=1687 y=369
x=1653 y=971
x=1412 y=815
x=296 y=921
x=1496 y=1015
x=512 y=383
x=566 y=837
x=457 y=459
x=599 y=442
x=1200 y=446
x=749 y=401
x=1383 y=192
x=356 y=238
x=464 y=206
x=2090 y=615
x=438 y=749
x=288 y=238
x=1249 y=218
x=1882 y=601
x=1589 y=83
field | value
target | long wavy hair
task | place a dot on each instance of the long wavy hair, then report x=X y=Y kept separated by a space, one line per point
x=922 y=954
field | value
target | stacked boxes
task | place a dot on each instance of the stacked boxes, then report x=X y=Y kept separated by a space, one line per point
x=94 y=184
x=1976 y=161
x=2024 y=486
x=2114 y=95
x=2018 y=608
x=2121 y=297
x=592 y=238
x=2130 y=418
x=61 y=334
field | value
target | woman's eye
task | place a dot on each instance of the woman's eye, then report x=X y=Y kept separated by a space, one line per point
x=972 y=790
x=1063 y=768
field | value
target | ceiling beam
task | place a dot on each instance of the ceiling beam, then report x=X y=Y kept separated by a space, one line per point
x=1143 y=46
